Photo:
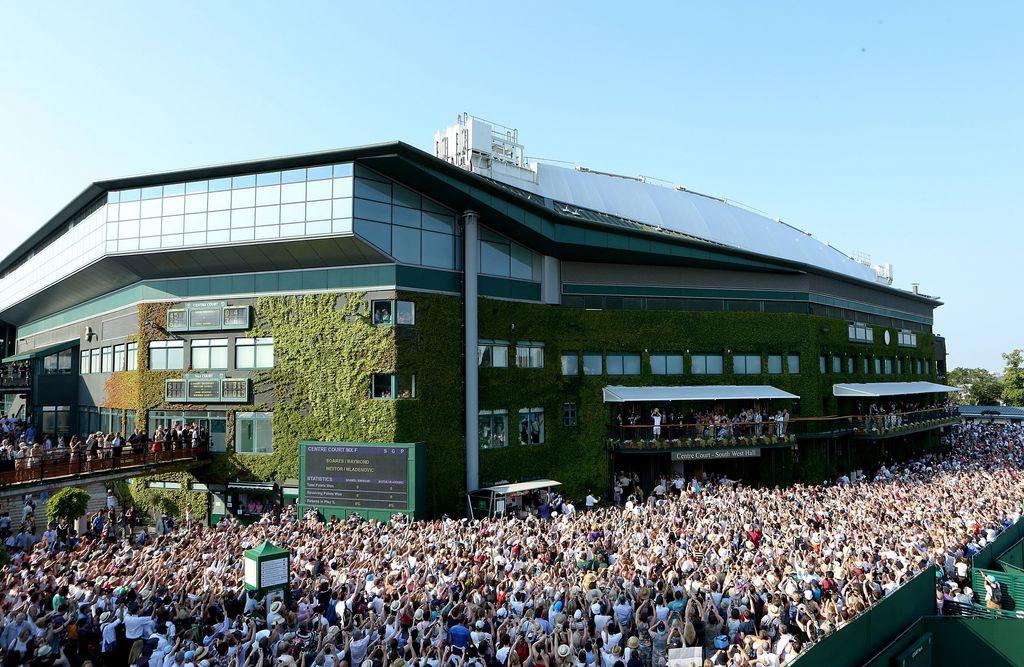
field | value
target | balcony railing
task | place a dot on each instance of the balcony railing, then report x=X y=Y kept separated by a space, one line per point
x=897 y=423
x=15 y=376
x=56 y=464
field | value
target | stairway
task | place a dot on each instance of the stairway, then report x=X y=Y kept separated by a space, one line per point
x=15 y=504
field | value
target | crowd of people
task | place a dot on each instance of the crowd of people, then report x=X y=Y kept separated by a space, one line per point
x=713 y=424
x=751 y=576
x=897 y=413
x=23 y=448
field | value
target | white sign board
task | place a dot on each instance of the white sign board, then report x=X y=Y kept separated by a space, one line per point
x=715 y=454
x=250 y=573
x=274 y=573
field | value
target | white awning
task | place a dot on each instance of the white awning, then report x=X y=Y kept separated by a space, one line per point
x=713 y=392
x=521 y=487
x=879 y=389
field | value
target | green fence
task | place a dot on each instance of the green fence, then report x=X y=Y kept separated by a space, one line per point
x=1012 y=559
x=861 y=639
x=988 y=556
x=978 y=642
x=1012 y=586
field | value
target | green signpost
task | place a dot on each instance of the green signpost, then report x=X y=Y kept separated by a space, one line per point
x=373 y=480
x=267 y=569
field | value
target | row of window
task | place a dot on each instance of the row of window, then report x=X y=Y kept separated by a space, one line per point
x=906 y=338
x=494 y=354
x=492 y=427
x=863 y=333
x=388 y=312
x=629 y=363
x=110 y=359
x=59 y=363
x=875 y=366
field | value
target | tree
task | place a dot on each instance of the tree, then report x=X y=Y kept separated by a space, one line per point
x=1013 y=378
x=68 y=504
x=980 y=386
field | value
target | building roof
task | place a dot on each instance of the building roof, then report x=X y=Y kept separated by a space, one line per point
x=521 y=487
x=991 y=411
x=880 y=389
x=713 y=392
x=690 y=214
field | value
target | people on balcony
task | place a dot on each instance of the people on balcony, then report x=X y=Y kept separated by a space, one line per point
x=705 y=425
x=880 y=417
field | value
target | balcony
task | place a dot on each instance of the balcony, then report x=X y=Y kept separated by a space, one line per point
x=61 y=464
x=16 y=376
x=893 y=425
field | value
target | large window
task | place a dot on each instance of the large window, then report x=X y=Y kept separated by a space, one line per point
x=389 y=386
x=531 y=426
x=132 y=362
x=492 y=353
x=570 y=363
x=822 y=364
x=210 y=354
x=500 y=256
x=907 y=338
x=593 y=364
x=493 y=429
x=59 y=363
x=774 y=364
x=529 y=354
x=55 y=419
x=254 y=433
x=878 y=366
x=165 y=355
x=888 y=366
x=569 y=414
x=746 y=364
x=393 y=312
x=254 y=353
x=120 y=357
x=706 y=364
x=83 y=365
x=837 y=365
x=861 y=332
x=667 y=364
x=108 y=360
x=793 y=363
x=94 y=359
x=619 y=363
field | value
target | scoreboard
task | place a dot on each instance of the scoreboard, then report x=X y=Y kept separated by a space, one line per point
x=374 y=480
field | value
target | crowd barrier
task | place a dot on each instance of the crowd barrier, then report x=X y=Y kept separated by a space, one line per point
x=50 y=467
x=988 y=556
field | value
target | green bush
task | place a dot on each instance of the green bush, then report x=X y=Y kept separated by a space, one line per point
x=67 y=504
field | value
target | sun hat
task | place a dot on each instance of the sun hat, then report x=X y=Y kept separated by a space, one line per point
x=633 y=642
x=276 y=606
x=563 y=651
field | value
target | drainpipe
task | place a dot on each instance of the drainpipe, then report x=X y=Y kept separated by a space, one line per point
x=469 y=292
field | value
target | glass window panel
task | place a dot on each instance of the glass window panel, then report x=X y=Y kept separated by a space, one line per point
x=171 y=240
x=631 y=364
x=293 y=229
x=342 y=187
x=218 y=220
x=174 y=224
x=149 y=243
x=149 y=227
x=155 y=192
x=405 y=196
x=129 y=210
x=269 y=194
x=405 y=245
x=174 y=206
x=438 y=222
x=220 y=236
x=319 y=227
x=376 y=233
x=343 y=169
x=270 y=178
x=341 y=208
x=113 y=197
x=374 y=190
x=293 y=176
x=438 y=250
x=268 y=215
x=195 y=238
x=293 y=192
x=219 y=201
x=243 y=198
x=128 y=229
x=243 y=234
x=614 y=364
x=592 y=363
x=318 y=210
x=195 y=203
x=317 y=190
x=151 y=208
x=265 y=355
x=244 y=217
x=521 y=262
x=174 y=190
x=293 y=213
x=129 y=195
x=239 y=182
x=775 y=364
x=245 y=355
x=267 y=232
x=407 y=217
x=319 y=173
x=371 y=210
x=494 y=258
x=126 y=245
x=342 y=226
x=196 y=186
x=112 y=211
x=570 y=363
x=220 y=184
x=195 y=222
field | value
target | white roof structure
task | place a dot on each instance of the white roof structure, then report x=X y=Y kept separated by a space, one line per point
x=714 y=392
x=879 y=389
x=521 y=487
x=686 y=212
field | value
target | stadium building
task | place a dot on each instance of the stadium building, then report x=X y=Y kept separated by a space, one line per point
x=514 y=320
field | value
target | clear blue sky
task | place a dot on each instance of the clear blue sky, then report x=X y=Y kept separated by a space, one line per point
x=888 y=128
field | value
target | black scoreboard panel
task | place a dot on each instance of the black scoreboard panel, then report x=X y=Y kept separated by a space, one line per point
x=204 y=390
x=362 y=477
x=206 y=318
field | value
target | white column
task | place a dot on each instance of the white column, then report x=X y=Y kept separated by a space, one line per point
x=469 y=294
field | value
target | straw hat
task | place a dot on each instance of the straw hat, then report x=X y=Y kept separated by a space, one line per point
x=563 y=651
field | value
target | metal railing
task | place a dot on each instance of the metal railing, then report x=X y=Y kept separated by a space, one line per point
x=897 y=422
x=63 y=463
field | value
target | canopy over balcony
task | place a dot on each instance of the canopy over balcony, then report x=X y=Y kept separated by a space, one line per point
x=714 y=392
x=880 y=389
